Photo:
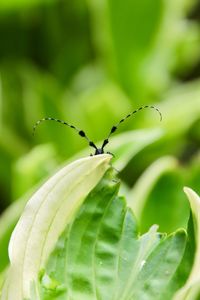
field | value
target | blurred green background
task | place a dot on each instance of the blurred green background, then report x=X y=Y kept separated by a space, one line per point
x=90 y=63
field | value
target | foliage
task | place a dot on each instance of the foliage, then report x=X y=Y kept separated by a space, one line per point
x=61 y=249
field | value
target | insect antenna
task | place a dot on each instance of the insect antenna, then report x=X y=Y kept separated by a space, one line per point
x=115 y=127
x=80 y=132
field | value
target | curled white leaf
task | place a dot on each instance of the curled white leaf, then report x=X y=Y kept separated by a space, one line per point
x=44 y=218
x=192 y=287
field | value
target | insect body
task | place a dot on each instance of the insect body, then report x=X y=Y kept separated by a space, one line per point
x=82 y=133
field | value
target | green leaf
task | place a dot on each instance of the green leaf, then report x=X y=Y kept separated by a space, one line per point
x=191 y=290
x=101 y=256
x=187 y=97
x=46 y=215
x=160 y=267
x=184 y=269
x=142 y=55
x=126 y=43
x=166 y=205
x=139 y=195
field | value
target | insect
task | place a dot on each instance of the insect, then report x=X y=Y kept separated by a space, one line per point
x=82 y=133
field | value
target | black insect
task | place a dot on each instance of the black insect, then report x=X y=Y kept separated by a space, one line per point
x=82 y=133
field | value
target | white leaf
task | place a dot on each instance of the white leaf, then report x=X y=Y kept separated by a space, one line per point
x=45 y=216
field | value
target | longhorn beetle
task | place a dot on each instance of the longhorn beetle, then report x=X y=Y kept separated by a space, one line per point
x=82 y=133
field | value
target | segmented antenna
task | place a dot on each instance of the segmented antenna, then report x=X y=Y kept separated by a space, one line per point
x=80 y=132
x=114 y=128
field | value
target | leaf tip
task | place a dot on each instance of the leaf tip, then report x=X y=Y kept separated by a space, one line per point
x=191 y=194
